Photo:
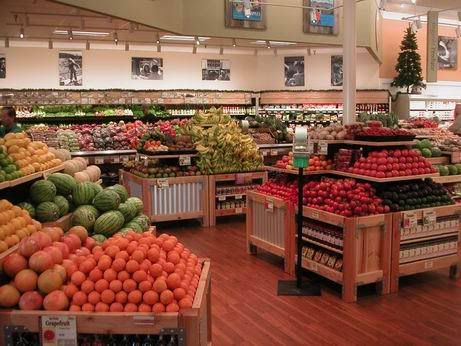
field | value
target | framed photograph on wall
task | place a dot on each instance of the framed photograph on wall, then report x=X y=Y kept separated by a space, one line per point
x=2 y=66
x=294 y=71
x=336 y=70
x=147 y=68
x=245 y=14
x=320 y=17
x=448 y=53
x=70 y=68
x=214 y=69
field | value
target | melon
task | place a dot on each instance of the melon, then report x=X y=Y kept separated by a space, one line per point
x=122 y=192
x=42 y=191
x=64 y=183
x=99 y=238
x=81 y=177
x=94 y=172
x=134 y=226
x=142 y=220
x=128 y=210
x=97 y=188
x=71 y=167
x=82 y=162
x=47 y=212
x=83 y=193
x=109 y=223
x=85 y=216
x=29 y=207
x=137 y=202
x=63 y=205
x=106 y=200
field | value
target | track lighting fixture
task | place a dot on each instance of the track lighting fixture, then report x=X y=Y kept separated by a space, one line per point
x=71 y=35
x=87 y=45
x=234 y=42
x=197 y=41
x=116 y=38
x=21 y=33
x=268 y=44
x=7 y=42
x=127 y=46
x=221 y=51
x=50 y=44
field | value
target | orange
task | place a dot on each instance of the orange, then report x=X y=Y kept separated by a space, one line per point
x=150 y=297
x=145 y=265
x=87 y=286
x=94 y=297
x=153 y=255
x=159 y=286
x=145 y=286
x=116 y=286
x=138 y=256
x=77 y=278
x=185 y=303
x=168 y=267
x=123 y=275
x=158 y=307
x=123 y=255
x=166 y=297
x=116 y=307
x=139 y=276
x=79 y=298
x=135 y=297
x=173 y=257
x=110 y=275
x=101 y=307
x=75 y=308
x=104 y=262
x=118 y=264
x=95 y=275
x=155 y=270
x=121 y=297
x=179 y=293
x=112 y=250
x=144 y=308
x=88 y=307
x=86 y=266
x=173 y=281
x=101 y=285
x=70 y=289
x=130 y=308
x=107 y=296
x=129 y=285
x=132 y=266
x=173 y=307
x=132 y=246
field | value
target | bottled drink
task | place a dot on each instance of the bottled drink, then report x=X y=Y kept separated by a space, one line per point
x=135 y=341
x=161 y=341
x=125 y=341
x=148 y=341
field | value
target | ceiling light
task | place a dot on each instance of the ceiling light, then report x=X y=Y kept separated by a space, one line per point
x=71 y=35
x=21 y=33
x=157 y=39
x=382 y=4
x=419 y=25
x=194 y=50
x=159 y=48
x=221 y=51
x=183 y=38
x=197 y=41
x=413 y=2
x=7 y=42
x=82 y=33
x=234 y=42
x=275 y=52
x=274 y=43
x=268 y=45
x=115 y=38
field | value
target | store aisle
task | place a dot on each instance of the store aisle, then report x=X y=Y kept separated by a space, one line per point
x=247 y=311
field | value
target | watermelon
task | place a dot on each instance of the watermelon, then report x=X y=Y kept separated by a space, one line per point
x=29 y=207
x=122 y=192
x=42 y=191
x=106 y=200
x=109 y=223
x=83 y=193
x=47 y=211
x=142 y=220
x=124 y=231
x=134 y=226
x=71 y=202
x=63 y=205
x=64 y=183
x=137 y=202
x=85 y=216
x=99 y=238
x=97 y=188
x=128 y=210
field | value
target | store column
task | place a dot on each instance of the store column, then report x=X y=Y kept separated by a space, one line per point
x=349 y=60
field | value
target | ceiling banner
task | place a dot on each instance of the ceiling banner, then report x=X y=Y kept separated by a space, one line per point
x=432 y=46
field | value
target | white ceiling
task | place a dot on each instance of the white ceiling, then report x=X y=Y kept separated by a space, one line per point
x=449 y=8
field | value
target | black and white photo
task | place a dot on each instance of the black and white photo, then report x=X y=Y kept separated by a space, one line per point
x=448 y=53
x=70 y=68
x=147 y=68
x=336 y=70
x=294 y=71
x=214 y=69
x=2 y=66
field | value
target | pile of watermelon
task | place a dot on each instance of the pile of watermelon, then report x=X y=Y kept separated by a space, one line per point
x=50 y=199
x=107 y=211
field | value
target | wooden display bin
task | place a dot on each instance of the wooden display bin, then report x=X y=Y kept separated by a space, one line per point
x=170 y=199
x=270 y=225
x=195 y=323
x=365 y=253
x=63 y=222
x=427 y=246
x=235 y=179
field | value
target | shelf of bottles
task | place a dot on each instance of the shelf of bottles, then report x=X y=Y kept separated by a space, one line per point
x=442 y=109
x=231 y=110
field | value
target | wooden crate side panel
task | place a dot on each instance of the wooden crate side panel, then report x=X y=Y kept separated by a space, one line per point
x=269 y=225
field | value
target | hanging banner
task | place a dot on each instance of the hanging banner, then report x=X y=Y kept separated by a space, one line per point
x=432 y=46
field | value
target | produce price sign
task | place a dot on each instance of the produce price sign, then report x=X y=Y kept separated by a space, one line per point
x=323 y=148
x=99 y=160
x=116 y=159
x=310 y=146
x=429 y=217
x=58 y=330
x=409 y=220
x=184 y=160
x=269 y=205
x=163 y=183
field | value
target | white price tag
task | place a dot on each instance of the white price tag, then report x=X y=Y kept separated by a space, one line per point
x=269 y=205
x=238 y=210
x=99 y=160
x=310 y=147
x=428 y=265
x=163 y=183
x=409 y=220
x=221 y=198
x=184 y=160
x=58 y=330
x=125 y=158
x=238 y=196
x=315 y=215
x=323 y=148
x=264 y=153
x=429 y=217
x=274 y=152
x=116 y=159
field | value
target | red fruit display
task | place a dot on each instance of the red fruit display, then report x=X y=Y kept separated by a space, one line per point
x=279 y=188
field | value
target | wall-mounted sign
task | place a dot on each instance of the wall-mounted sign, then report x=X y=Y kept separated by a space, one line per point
x=319 y=17
x=214 y=69
x=432 y=46
x=70 y=68
x=249 y=14
x=294 y=70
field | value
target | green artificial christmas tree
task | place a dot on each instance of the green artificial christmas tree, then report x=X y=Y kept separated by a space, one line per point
x=408 y=63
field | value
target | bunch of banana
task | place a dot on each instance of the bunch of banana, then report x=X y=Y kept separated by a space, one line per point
x=211 y=117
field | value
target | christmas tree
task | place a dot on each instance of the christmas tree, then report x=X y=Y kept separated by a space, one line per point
x=408 y=63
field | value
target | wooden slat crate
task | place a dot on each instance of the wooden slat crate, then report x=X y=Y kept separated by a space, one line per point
x=196 y=321
x=366 y=251
x=169 y=199
x=426 y=247
x=270 y=225
x=236 y=179
x=63 y=222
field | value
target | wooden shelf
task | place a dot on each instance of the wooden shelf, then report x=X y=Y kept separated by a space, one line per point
x=230 y=211
x=428 y=236
x=7 y=252
x=30 y=177
x=441 y=160
x=422 y=262
x=323 y=270
x=448 y=179
x=323 y=216
x=103 y=153
x=295 y=172
x=367 y=143
x=325 y=246
x=230 y=195
x=385 y=180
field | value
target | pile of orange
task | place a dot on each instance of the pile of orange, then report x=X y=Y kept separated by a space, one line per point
x=135 y=272
x=319 y=163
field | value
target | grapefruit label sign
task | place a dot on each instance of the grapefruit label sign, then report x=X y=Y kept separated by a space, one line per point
x=58 y=331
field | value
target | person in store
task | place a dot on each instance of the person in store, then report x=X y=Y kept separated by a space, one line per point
x=456 y=126
x=8 y=119
x=148 y=115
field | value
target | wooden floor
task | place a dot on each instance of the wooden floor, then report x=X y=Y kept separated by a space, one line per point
x=247 y=310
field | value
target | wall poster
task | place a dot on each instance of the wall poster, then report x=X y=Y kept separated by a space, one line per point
x=2 y=66
x=336 y=70
x=70 y=68
x=320 y=18
x=294 y=71
x=447 y=56
x=247 y=14
x=147 y=68
x=214 y=69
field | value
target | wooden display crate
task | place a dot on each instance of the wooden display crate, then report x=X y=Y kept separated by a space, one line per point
x=366 y=251
x=63 y=222
x=237 y=179
x=196 y=322
x=270 y=225
x=420 y=257
x=170 y=199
